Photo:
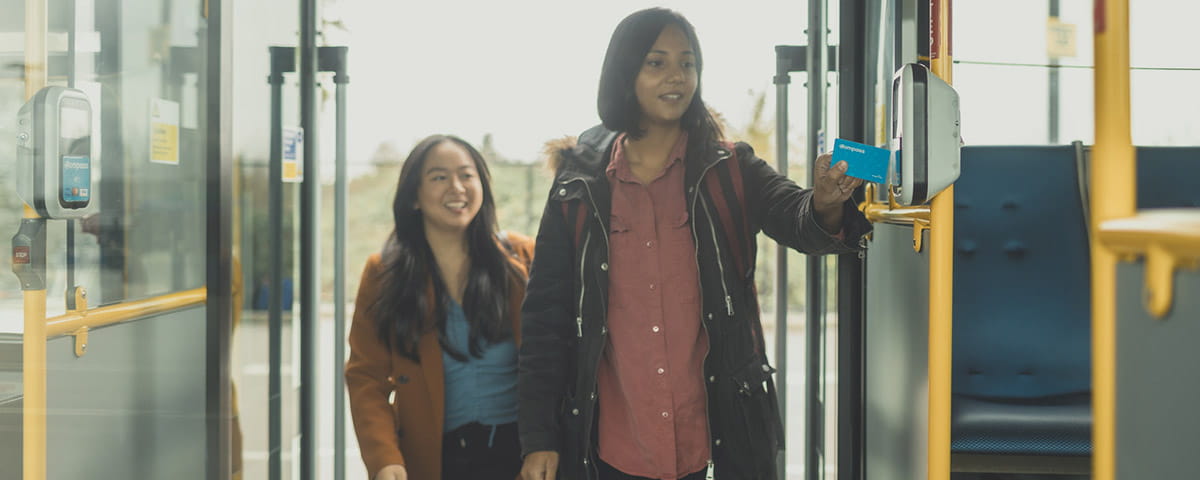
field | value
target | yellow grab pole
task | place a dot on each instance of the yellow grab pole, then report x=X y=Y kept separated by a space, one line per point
x=1113 y=177
x=34 y=382
x=941 y=274
x=35 y=46
x=33 y=360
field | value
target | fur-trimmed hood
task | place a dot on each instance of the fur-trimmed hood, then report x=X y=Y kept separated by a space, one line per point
x=554 y=150
x=583 y=154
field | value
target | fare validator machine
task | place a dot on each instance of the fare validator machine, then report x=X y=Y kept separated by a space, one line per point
x=54 y=153
x=926 y=139
x=55 y=175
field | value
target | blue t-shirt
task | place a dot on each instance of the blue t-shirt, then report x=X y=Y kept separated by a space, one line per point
x=482 y=389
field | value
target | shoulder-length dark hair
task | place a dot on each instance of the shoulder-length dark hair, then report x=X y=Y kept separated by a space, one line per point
x=404 y=309
x=617 y=101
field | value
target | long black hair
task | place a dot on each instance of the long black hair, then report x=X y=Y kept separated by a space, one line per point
x=404 y=310
x=617 y=101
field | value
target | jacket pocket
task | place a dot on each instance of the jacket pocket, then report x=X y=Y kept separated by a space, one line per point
x=396 y=383
x=751 y=418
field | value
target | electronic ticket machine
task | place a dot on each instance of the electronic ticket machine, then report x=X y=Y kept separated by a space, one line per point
x=55 y=164
x=925 y=135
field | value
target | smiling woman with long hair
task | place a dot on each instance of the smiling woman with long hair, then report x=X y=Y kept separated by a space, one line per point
x=433 y=344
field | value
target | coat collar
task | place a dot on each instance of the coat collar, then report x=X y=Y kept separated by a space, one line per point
x=587 y=158
x=584 y=161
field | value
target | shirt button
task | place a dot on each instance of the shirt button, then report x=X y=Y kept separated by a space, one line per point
x=562 y=192
x=718 y=442
x=592 y=396
x=574 y=411
x=652 y=286
x=665 y=414
x=661 y=371
x=604 y=266
x=654 y=329
x=650 y=244
x=710 y=316
x=712 y=379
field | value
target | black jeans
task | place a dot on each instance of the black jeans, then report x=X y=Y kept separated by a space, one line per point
x=474 y=451
x=607 y=472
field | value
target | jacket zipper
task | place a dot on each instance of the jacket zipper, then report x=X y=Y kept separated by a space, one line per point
x=720 y=263
x=703 y=323
x=582 y=286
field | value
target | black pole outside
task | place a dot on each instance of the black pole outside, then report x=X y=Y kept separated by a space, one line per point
x=334 y=58
x=784 y=55
x=856 y=72
x=814 y=330
x=282 y=60
x=310 y=220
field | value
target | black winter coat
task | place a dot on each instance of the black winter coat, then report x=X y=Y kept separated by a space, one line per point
x=564 y=329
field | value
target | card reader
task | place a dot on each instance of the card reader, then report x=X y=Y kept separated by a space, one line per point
x=926 y=138
x=55 y=163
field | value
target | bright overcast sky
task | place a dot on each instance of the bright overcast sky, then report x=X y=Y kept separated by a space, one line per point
x=526 y=70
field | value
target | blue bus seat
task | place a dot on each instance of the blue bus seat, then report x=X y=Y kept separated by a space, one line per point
x=1022 y=321
x=1167 y=177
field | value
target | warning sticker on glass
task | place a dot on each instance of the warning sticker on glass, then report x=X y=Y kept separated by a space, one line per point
x=164 y=131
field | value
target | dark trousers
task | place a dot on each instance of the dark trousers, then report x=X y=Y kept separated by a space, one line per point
x=474 y=451
x=607 y=472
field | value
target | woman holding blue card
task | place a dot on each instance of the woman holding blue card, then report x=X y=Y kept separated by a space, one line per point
x=642 y=353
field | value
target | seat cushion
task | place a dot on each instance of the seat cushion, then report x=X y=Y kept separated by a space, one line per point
x=1060 y=425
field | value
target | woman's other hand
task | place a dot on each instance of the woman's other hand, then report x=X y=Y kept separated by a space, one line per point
x=540 y=466
x=833 y=187
x=392 y=472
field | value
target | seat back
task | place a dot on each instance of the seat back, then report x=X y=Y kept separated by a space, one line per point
x=1022 y=318
x=1167 y=177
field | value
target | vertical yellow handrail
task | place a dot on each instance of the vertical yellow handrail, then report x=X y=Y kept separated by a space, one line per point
x=33 y=360
x=941 y=275
x=34 y=382
x=1113 y=177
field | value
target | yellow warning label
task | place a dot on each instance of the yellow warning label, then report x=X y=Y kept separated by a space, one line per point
x=164 y=143
x=290 y=172
x=164 y=131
